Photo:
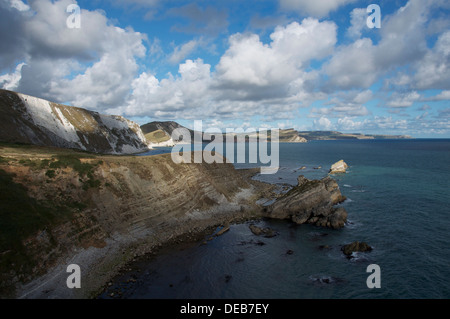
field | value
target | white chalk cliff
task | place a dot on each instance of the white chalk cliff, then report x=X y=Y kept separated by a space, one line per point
x=31 y=120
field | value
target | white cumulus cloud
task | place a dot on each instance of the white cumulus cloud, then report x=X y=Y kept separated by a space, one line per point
x=323 y=124
x=92 y=66
x=252 y=78
x=403 y=100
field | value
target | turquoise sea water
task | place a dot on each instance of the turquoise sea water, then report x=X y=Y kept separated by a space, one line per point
x=398 y=202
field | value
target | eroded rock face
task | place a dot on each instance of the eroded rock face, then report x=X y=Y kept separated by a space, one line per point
x=311 y=202
x=338 y=167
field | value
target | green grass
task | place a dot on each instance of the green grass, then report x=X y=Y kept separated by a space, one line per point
x=44 y=163
x=73 y=161
x=157 y=136
x=34 y=164
x=29 y=163
x=83 y=169
x=91 y=183
x=50 y=173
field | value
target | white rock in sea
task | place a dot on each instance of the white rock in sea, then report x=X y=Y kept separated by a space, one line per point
x=339 y=167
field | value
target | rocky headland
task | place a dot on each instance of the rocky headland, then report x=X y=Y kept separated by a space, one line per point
x=311 y=202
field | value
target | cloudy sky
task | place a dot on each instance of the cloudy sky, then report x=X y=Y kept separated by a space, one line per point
x=311 y=65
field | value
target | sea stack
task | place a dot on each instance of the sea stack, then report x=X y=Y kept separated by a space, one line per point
x=338 y=167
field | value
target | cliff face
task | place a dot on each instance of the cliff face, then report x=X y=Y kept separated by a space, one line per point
x=291 y=136
x=30 y=120
x=100 y=211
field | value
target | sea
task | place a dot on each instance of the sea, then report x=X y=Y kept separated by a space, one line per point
x=398 y=202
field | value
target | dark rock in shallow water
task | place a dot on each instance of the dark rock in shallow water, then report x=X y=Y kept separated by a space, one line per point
x=311 y=202
x=316 y=236
x=252 y=242
x=325 y=280
x=290 y=252
x=356 y=246
x=267 y=232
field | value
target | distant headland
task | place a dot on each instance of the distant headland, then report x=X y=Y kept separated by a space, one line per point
x=161 y=132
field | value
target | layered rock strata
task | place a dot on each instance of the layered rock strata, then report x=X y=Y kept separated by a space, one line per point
x=311 y=202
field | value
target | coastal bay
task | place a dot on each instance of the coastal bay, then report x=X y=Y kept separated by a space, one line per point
x=395 y=205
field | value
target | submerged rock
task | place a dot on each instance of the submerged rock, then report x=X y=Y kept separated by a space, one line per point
x=356 y=246
x=223 y=230
x=252 y=242
x=325 y=280
x=338 y=167
x=311 y=202
x=267 y=232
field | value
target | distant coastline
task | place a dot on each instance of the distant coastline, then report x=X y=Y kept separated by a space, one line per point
x=158 y=132
x=333 y=135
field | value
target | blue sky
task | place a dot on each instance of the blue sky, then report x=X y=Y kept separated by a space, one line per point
x=310 y=65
